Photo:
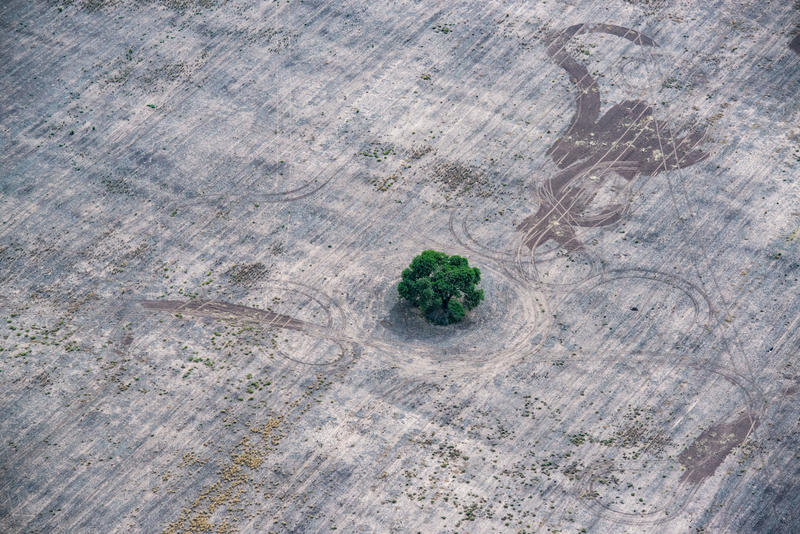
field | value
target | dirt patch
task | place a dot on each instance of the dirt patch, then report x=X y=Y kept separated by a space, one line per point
x=794 y=45
x=710 y=449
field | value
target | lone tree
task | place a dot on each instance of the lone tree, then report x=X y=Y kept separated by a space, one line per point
x=442 y=286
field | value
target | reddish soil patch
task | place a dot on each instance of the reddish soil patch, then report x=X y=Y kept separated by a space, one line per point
x=794 y=45
x=710 y=449
x=627 y=139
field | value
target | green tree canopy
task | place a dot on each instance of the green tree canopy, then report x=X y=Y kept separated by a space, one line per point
x=442 y=286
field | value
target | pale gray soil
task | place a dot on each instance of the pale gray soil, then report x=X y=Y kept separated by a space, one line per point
x=205 y=208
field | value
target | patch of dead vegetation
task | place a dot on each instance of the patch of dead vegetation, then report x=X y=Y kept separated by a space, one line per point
x=245 y=275
x=177 y=5
x=417 y=152
x=642 y=432
x=384 y=184
x=234 y=481
x=456 y=177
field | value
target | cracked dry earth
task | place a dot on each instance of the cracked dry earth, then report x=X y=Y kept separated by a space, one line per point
x=205 y=207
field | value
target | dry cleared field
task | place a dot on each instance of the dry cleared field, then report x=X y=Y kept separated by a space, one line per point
x=205 y=207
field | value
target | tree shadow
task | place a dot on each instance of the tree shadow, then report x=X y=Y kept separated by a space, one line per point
x=407 y=323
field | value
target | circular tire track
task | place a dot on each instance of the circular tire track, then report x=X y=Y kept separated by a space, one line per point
x=567 y=268
x=642 y=67
x=512 y=316
x=306 y=190
x=336 y=320
x=751 y=404
x=460 y=223
x=329 y=330
x=640 y=294
x=533 y=267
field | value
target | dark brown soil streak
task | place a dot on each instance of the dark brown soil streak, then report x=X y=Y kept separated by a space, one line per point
x=794 y=45
x=710 y=449
x=221 y=310
x=627 y=139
